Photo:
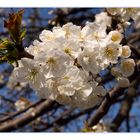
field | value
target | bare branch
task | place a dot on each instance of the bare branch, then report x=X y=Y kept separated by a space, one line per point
x=104 y=107
x=19 y=112
x=125 y=108
x=29 y=117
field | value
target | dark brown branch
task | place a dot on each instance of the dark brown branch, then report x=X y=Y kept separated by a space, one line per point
x=123 y=113
x=25 y=54
x=61 y=121
x=135 y=50
x=19 y=112
x=133 y=37
x=7 y=99
x=108 y=101
x=29 y=117
x=104 y=107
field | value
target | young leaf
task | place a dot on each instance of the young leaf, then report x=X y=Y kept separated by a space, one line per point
x=13 y=24
x=23 y=33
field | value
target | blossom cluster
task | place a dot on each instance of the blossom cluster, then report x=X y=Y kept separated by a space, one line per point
x=125 y=14
x=68 y=60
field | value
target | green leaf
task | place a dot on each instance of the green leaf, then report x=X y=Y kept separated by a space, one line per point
x=5 y=44
x=23 y=33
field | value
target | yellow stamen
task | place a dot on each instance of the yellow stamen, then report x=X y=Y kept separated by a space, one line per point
x=66 y=78
x=109 y=52
x=32 y=75
x=51 y=61
x=67 y=50
x=115 y=37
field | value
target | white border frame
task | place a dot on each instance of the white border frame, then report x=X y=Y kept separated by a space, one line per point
x=69 y=136
x=69 y=3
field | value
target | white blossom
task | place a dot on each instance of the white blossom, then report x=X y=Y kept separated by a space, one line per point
x=126 y=52
x=127 y=67
x=93 y=31
x=115 y=71
x=115 y=36
x=101 y=127
x=111 y=51
x=115 y=11
x=36 y=48
x=46 y=35
x=88 y=57
x=20 y=105
x=68 y=61
x=130 y=13
x=68 y=46
x=72 y=31
x=125 y=13
x=123 y=82
x=103 y=18
x=29 y=71
x=54 y=62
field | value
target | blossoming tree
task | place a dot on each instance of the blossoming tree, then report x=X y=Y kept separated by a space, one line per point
x=69 y=65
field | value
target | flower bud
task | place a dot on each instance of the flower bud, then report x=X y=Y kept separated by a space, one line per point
x=127 y=67
x=123 y=82
x=115 y=36
x=115 y=72
x=126 y=52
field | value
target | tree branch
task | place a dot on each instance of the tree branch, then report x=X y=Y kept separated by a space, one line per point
x=124 y=111
x=19 y=112
x=29 y=117
x=104 y=107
